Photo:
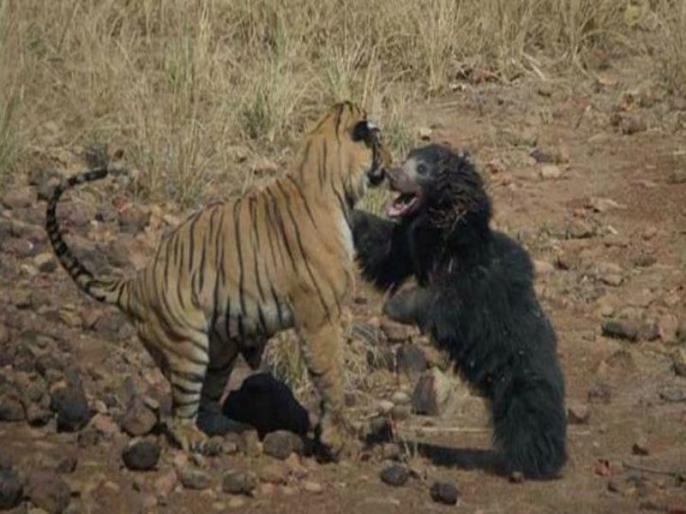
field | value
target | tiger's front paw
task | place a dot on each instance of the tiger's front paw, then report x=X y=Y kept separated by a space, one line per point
x=185 y=434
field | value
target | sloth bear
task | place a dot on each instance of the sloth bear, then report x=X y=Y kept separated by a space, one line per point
x=474 y=297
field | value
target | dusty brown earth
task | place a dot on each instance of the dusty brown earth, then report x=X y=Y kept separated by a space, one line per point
x=588 y=172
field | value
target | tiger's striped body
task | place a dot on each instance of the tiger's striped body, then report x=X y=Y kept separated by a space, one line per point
x=237 y=272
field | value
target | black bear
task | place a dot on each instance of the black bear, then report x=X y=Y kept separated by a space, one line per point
x=475 y=298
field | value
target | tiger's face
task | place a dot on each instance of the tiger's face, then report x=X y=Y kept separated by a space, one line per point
x=352 y=150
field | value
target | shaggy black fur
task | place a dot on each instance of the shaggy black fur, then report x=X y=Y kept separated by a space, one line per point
x=475 y=297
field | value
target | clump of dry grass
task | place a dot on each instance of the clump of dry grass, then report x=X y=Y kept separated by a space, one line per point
x=179 y=84
x=10 y=100
x=671 y=45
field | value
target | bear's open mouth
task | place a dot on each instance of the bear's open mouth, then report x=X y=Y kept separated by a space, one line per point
x=403 y=204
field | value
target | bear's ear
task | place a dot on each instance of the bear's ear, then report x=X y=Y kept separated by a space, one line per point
x=364 y=131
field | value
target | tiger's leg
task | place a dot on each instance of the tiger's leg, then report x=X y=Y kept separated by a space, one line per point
x=184 y=362
x=210 y=417
x=323 y=351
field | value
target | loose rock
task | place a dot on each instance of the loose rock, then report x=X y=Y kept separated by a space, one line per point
x=679 y=361
x=621 y=329
x=395 y=332
x=281 y=444
x=550 y=172
x=274 y=473
x=11 y=489
x=48 y=492
x=395 y=475
x=238 y=482
x=640 y=446
x=11 y=408
x=578 y=414
x=411 y=360
x=141 y=455
x=312 y=487
x=444 y=492
x=431 y=393
x=139 y=419
x=71 y=406
x=193 y=478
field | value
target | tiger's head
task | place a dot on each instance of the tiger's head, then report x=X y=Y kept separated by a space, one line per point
x=345 y=152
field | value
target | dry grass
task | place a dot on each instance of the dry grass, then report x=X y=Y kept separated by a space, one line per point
x=180 y=84
x=671 y=47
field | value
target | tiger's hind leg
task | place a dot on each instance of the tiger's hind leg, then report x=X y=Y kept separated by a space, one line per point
x=210 y=418
x=184 y=362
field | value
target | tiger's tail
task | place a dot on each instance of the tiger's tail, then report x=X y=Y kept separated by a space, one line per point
x=106 y=290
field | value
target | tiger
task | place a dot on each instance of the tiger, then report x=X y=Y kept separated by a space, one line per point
x=236 y=272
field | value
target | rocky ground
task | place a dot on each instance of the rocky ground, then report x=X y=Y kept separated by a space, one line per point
x=589 y=173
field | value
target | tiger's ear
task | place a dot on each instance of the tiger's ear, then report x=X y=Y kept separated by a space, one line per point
x=364 y=131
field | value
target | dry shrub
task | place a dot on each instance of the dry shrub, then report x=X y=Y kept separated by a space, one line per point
x=179 y=84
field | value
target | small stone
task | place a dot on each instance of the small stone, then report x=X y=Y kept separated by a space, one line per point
x=395 y=475
x=45 y=262
x=667 y=327
x=543 y=268
x=673 y=394
x=578 y=414
x=678 y=176
x=312 y=487
x=139 y=419
x=384 y=407
x=444 y=492
x=411 y=360
x=621 y=329
x=600 y=393
x=48 y=492
x=401 y=412
x=401 y=398
x=238 y=482
x=11 y=489
x=141 y=455
x=544 y=89
x=679 y=361
x=640 y=447
x=252 y=443
x=192 y=478
x=274 y=473
x=395 y=332
x=630 y=125
x=67 y=464
x=105 y=425
x=603 y=204
x=71 y=406
x=281 y=444
x=133 y=219
x=649 y=331
x=612 y=279
x=295 y=467
x=550 y=172
x=11 y=407
x=380 y=430
x=236 y=503
x=579 y=229
x=165 y=484
x=516 y=477
x=19 y=198
x=431 y=393
x=390 y=451
x=424 y=133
